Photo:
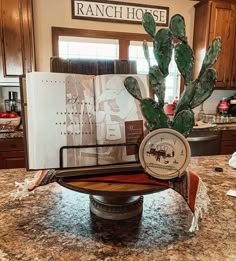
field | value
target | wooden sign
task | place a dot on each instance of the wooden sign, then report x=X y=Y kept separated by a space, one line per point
x=110 y=11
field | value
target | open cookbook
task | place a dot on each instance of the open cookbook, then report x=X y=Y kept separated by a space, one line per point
x=75 y=120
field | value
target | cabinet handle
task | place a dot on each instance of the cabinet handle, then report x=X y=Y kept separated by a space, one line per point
x=227 y=80
x=13 y=145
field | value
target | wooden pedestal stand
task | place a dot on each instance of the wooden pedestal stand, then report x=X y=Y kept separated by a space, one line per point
x=113 y=201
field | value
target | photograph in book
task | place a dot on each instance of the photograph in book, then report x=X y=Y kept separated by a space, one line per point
x=118 y=117
x=60 y=112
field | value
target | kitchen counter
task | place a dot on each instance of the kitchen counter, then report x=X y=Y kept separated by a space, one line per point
x=9 y=135
x=225 y=126
x=214 y=127
x=19 y=134
x=231 y=126
x=55 y=223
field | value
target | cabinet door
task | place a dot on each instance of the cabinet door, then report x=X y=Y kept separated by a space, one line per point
x=228 y=142
x=16 y=48
x=222 y=23
x=228 y=147
x=233 y=75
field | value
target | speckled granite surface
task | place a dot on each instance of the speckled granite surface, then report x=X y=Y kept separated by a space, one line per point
x=231 y=126
x=9 y=135
x=222 y=126
x=55 y=223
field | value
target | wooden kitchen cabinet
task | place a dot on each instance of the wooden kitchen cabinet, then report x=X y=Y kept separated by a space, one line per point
x=216 y=18
x=233 y=75
x=12 y=153
x=17 y=40
x=228 y=142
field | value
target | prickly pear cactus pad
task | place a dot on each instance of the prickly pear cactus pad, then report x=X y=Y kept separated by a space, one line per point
x=196 y=91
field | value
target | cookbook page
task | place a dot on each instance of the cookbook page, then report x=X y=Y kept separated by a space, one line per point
x=61 y=113
x=119 y=119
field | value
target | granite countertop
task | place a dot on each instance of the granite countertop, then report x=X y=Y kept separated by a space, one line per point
x=9 y=135
x=55 y=223
x=225 y=126
x=221 y=126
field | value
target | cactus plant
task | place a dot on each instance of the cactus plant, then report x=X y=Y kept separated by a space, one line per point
x=195 y=92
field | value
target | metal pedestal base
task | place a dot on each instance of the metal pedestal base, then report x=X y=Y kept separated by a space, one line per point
x=116 y=208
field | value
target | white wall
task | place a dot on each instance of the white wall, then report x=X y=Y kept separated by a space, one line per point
x=48 y=13
x=210 y=105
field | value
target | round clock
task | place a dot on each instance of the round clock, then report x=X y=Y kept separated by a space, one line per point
x=164 y=154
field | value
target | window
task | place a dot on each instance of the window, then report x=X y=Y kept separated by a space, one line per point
x=82 y=47
x=91 y=44
x=172 y=80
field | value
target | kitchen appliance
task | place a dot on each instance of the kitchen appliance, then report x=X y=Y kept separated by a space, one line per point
x=13 y=104
x=204 y=142
x=223 y=107
x=169 y=108
x=232 y=105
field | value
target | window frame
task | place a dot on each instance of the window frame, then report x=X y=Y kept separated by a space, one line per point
x=124 y=40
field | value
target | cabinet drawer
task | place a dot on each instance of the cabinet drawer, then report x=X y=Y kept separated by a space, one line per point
x=11 y=144
x=228 y=135
x=12 y=159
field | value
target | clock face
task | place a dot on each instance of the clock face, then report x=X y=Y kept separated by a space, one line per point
x=164 y=153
